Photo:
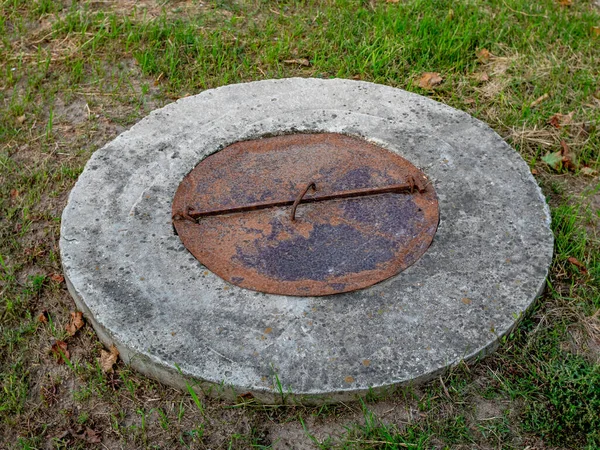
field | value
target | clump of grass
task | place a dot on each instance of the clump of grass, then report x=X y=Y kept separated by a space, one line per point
x=374 y=433
x=566 y=412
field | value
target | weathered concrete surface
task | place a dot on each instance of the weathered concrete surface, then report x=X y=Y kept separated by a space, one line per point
x=143 y=291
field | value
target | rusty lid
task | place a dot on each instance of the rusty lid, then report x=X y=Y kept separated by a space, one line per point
x=305 y=214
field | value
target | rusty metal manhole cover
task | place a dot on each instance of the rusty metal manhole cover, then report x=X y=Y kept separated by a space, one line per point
x=305 y=214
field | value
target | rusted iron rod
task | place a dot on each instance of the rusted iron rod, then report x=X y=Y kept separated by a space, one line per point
x=317 y=197
x=299 y=199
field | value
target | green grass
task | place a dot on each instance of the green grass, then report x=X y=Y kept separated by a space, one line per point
x=75 y=74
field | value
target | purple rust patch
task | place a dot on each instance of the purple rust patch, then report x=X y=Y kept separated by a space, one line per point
x=394 y=215
x=329 y=251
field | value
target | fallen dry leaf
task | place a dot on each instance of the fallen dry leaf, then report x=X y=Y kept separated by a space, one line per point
x=75 y=323
x=90 y=436
x=555 y=120
x=349 y=379
x=466 y=301
x=14 y=193
x=577 y=263
x=563 y=156
x=482 y=77
x=484 y=55
x=60 y=352
x=429 y=80
x=57 y=277
x=596 y=31
x=559 y=120
x=589 y=171
x=21 y=119
x=61 y=435
x=568 y=159
x=43 y=317
x=246 y=396
x=300 y=61
x=108 y=359
x=565 y=2
x=539 y=100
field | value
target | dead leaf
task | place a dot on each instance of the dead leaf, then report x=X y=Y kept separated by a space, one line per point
x=577 y=263
x=57 y=277
x=482 y=77
x=539 y=100
x=534 y=171
x=21 y=119
x=559 y=120
x=469 y=101
x=300 y=61
x=484 y=55
x=589 y=171
x=564 y=156
x=61 y=435
x=349 y=379
x=465 y=300
x=108 y=359
x=90 y=436
x=268 y=330
x=75 y=323
x=43 y=317
x=366 y=362
x=596 y=31
x=14 y=193
x=60 y=352
x=555 y=120
x=568 y=159
x=430 y=79
x=565 y=2
x=246 y=396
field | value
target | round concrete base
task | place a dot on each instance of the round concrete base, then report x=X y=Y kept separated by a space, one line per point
x=174 y=320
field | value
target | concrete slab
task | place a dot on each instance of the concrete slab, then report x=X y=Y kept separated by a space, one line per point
x=173 y=320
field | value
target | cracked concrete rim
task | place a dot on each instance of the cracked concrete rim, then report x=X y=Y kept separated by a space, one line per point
x=175 y=321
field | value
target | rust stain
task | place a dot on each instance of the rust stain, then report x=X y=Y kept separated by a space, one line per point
x=336 y=243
